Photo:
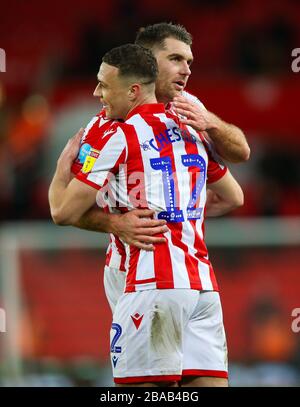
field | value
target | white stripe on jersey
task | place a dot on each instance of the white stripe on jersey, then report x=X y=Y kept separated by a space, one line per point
x=147 y=271
x=205 y=276
x=88 y=128
x=109 y=154
x=116 y=258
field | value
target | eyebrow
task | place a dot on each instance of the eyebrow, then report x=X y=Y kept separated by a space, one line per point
x=100 y=81
x=190 y=60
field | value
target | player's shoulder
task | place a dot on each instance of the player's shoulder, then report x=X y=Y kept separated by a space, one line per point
x=96 y=127
x=192 y=98
x=93 y=133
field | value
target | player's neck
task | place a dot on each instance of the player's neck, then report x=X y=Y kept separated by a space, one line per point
x=145 y=100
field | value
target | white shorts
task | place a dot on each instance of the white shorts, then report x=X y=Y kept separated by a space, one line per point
x=162 y=335
x=114 y=283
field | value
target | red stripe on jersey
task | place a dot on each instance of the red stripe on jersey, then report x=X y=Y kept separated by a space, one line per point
x=200 y=246
x=108 y=256
x=146 y=280
x=76 y=167
x=147 y=379
x=213 y=278
x=208 y=373
x=163 y=266
x=83 y=178
x=122 y=253
x=132 y=268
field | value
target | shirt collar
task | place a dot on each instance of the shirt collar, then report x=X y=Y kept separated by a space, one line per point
x=147 y=108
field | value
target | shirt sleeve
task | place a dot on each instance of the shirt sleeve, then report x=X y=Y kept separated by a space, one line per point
x=104 y=158
x=216 y=169
x=91 y=134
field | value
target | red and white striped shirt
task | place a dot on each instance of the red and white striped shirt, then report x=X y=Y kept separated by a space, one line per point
x=96 y=128
x=172 y=164
x=116 y=253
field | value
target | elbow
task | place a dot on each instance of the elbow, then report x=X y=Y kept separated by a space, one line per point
x=246 y=153
x=242 y=155
x=60 y=219
x=238 y=199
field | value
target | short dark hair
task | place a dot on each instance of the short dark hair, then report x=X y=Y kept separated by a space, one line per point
x=133 y=61
x=154 y=35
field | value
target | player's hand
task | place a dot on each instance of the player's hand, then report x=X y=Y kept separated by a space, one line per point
x=195 y=116
x=138 y=229
x=71 y=149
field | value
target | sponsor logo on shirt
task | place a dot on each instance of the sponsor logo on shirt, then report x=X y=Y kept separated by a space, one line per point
x=114 y=360
x=161 y=140
x=137 y=319
x=83 y=152
x=90 y=160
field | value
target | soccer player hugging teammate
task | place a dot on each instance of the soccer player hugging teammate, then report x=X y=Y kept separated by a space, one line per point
x=171 y=46
x=167 y=326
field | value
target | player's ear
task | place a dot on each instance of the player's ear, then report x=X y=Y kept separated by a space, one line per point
x=134 y=91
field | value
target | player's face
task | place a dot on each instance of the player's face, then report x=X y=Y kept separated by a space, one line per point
x=113 y=92
x=174 y=62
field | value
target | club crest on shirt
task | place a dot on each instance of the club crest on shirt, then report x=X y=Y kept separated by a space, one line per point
x=90 y=160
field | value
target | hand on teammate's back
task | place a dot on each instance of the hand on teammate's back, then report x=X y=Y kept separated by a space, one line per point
x=138 y=229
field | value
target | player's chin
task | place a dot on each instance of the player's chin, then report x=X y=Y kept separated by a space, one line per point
x=178 y=92
x=108 y=113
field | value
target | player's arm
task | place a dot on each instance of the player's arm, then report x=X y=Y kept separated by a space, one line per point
x=69 y=198
x=73 y=203
x=134 y=228
x=229 y=140
x=223 y=196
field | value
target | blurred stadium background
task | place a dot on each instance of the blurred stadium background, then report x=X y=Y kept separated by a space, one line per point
x=57 y=318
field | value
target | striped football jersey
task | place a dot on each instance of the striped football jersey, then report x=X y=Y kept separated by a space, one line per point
x=96 y=128
x=153 y=161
